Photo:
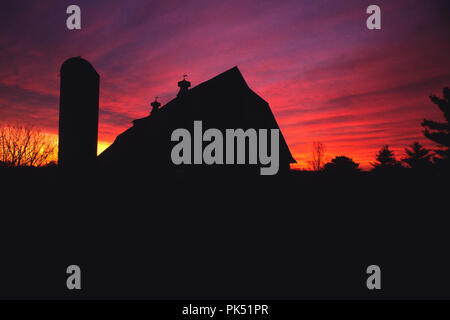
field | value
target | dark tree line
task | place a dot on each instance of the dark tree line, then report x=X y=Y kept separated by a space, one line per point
x=418 y=158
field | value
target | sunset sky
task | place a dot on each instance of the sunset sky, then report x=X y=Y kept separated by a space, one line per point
x=325 y=75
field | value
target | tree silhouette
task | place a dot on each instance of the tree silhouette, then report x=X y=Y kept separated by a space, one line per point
x=439 y=132
x=342 y=165
x=318 y=156
x=418 y=158
x=386 y=159
x=25 y=146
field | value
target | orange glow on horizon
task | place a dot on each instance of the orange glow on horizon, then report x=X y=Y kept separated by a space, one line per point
x=102 y=146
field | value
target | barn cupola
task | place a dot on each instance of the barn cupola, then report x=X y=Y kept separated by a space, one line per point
x=155 y=106
x=184 y=86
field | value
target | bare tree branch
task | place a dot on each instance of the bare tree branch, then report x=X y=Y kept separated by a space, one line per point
x=25 y=146
x=318 y=156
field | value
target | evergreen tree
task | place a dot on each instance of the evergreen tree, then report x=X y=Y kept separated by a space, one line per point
x=385 y=159
x=418 y=157
x=439 y=132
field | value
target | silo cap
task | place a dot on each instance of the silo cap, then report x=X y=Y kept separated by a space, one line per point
x=77 y=64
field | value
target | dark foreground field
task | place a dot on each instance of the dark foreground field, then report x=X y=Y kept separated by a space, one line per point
x=298 y=236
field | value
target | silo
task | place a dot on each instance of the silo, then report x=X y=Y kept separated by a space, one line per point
x=78 y=114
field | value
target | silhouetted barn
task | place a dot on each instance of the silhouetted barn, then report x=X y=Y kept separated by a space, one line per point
x=223 y=102
x=78 y=114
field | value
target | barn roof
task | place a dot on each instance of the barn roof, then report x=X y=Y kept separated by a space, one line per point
x=223 y=102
